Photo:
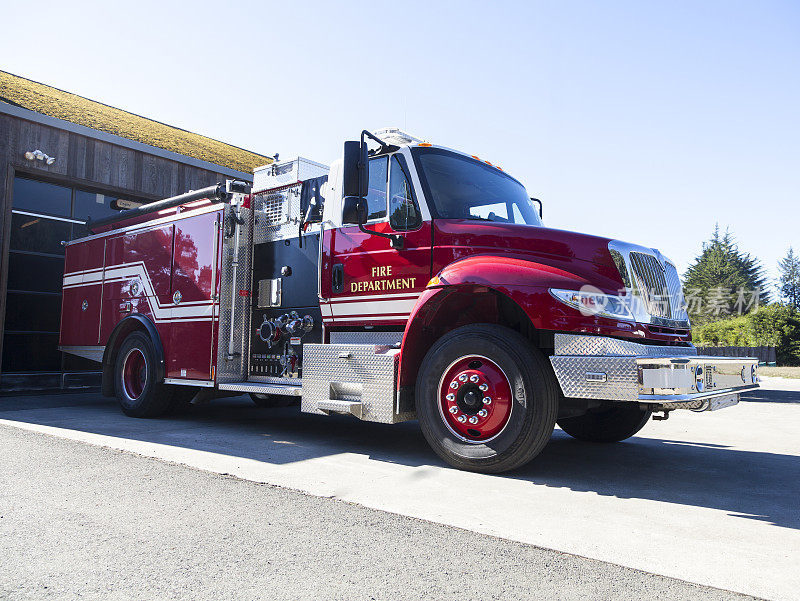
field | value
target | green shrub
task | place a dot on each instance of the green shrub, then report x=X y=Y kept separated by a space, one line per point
x=771 y=325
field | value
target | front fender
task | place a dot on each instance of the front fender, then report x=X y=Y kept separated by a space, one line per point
x=473 y=290
x=506 y=274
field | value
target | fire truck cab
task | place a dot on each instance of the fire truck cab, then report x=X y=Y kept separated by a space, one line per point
x=408 y=281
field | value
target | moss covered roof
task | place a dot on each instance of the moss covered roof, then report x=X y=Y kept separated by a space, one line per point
x=77 y=109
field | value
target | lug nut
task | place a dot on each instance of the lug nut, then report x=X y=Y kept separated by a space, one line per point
x=482 y=413
x=473 y=378
x=487 y=400
x=483 y=387
x=451 y=397
x=462 y=378
x=453 y=409
x=461 y=418
x=453 y=384
x=473 y=420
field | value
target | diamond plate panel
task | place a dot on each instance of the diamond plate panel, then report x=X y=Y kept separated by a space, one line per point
x=381 y=338
x=622 y=377
x=234 y=369
x=575 y=344
x=349 y=372
x=273 y=380
x=277 y=215
x=684 y=405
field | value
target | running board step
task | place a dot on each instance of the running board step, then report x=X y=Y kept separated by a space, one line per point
x=356 y=379
x=352 y=407
x=260 y=388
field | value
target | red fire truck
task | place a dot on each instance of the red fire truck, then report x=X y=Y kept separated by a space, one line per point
x=408 y=281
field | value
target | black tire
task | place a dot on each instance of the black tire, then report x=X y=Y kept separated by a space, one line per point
x=270 y=401
x=142 y=396
x=534 y=399
x=606 y=424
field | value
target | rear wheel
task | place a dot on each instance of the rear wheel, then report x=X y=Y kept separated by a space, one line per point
x=606 y=425
x=486 y=399
x=138 y=393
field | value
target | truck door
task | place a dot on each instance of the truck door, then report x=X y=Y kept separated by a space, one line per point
x=372 y=283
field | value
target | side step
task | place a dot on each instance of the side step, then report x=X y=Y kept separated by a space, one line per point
x=355 y=379
x=259 y=388
x=334 y=406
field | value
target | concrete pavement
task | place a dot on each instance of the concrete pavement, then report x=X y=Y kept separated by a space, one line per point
x=709 y=498
x=81 y=521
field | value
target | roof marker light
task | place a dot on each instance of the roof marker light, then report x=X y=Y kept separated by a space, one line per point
x=425 y=144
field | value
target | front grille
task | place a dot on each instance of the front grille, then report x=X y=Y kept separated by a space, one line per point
x=655 y=284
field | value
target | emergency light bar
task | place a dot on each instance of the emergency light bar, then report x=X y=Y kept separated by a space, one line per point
x=396 y=137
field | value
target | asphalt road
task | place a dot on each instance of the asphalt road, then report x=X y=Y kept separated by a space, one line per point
x=79 y=521
x=712 y=499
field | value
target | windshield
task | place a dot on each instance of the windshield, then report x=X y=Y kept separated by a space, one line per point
x=460 y=187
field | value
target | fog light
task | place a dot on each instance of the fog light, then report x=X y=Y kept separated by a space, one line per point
x=700 y=380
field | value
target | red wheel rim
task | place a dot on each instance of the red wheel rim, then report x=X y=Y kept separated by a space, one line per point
x=134 y=374
x=475 y=399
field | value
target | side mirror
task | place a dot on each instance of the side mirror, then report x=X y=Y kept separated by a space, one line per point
x=355 y=169
x=539 y=202
x=354 y=211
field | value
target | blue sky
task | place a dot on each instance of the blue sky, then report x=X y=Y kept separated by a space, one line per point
x=644 y=121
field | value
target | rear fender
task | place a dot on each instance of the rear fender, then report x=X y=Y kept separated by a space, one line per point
x=133 y=322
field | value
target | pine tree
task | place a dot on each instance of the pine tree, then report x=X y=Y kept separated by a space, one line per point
x=789 y=281
x=723 y=281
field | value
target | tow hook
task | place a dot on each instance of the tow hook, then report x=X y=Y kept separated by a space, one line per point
x=661 y=418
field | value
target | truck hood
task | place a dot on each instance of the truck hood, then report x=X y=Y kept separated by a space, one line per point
x=584 y=254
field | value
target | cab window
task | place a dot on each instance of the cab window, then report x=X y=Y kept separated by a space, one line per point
x=376 y=195
x=403 y=209
x=460 y=187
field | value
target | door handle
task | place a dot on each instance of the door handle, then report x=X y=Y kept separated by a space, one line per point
x=337 y=278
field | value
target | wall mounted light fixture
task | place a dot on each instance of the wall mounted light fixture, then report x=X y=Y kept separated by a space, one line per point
x=38 y=155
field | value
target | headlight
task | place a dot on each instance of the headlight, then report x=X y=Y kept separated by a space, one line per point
x=591 y=302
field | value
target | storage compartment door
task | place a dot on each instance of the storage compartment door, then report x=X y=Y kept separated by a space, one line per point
x=193 y=311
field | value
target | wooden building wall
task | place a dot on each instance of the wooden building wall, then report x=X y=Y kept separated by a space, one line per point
x=94 y=164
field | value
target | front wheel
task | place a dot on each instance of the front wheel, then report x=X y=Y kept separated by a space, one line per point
x=606 y=425
x=486 y=399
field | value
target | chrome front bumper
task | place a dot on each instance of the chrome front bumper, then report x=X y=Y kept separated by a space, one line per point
x=667 y=377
